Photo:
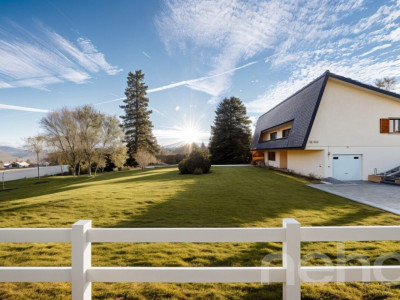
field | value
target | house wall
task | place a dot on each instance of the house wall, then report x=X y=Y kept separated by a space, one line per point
x=348 y=122
x=272 y=163
x=306 y=162
x=279 y=130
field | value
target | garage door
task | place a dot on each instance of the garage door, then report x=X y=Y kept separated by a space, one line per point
x=347 y=167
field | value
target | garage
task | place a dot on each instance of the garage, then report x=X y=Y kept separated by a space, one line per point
x=346 y=166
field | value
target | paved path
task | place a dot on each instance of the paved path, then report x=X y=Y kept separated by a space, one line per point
x=383 y=196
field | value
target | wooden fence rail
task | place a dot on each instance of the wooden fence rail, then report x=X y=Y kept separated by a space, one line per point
x=291 y=274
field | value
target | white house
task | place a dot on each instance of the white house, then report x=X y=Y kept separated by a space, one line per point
x=333 y=127
x=22 y=164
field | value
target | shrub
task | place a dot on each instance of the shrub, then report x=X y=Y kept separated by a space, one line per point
x=198 y=159
x=197 y=171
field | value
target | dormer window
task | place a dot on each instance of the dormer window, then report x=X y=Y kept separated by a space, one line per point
x=285 y=133
x=273 y=135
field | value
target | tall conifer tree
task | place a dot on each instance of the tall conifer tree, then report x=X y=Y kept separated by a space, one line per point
x=230 y=135
x=136 y=121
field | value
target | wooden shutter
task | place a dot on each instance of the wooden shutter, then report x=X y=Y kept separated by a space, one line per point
x=384 y=125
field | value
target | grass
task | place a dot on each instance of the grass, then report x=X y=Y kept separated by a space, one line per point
x=228 y=197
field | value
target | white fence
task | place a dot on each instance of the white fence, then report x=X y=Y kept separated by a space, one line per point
x=291 y=274
x=14 y=174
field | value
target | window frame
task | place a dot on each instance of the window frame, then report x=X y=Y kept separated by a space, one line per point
x=271 y=155
x=394 y=125
x=287 y=132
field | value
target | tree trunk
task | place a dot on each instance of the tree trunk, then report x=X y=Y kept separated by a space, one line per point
x=79 y=169
x=38 y=167
x=90 y=167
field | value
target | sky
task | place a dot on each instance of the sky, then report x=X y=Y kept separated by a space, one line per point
x=193 y=53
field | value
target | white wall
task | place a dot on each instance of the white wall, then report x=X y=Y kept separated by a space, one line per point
x=307 y=162
x=272 y=163
x=15 y=174
x=348 y=122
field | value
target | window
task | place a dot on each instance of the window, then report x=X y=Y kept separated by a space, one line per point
x=394 y=125
x=285 y=133
x=273 y=135
x=390 y=125
x=271 y=156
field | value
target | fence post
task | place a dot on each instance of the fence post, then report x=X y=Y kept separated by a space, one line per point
x=81 y=261
x=291 y=260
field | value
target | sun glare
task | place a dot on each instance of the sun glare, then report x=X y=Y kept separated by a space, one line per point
x=190 y=135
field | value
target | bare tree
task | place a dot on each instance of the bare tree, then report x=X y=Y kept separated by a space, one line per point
x=62 y=133
x=118 y=154
x=89 y=122
x=35 y=144
x=387 y=83
x=144 y=158
x=111 y=136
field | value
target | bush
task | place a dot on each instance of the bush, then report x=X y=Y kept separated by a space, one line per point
x=197 y=171
x=198 y=159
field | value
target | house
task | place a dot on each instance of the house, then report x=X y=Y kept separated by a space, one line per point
x=333 y=127
x=22 y=164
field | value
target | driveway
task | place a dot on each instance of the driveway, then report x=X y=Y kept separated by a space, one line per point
x=379 y=195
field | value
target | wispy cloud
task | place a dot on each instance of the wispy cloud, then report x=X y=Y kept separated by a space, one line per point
x=300 y=40
x=41 y=58
x=22 y=108
x=365 y=51
x=201 y=82
x=192 y=83
x=145 y=54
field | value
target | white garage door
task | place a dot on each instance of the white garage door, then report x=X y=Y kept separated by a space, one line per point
x=347 y=167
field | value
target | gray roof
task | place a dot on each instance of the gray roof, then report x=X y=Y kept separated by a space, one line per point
x=300 y=109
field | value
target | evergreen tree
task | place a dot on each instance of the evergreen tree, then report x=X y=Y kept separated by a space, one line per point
x=230 y=135
x=136 y=121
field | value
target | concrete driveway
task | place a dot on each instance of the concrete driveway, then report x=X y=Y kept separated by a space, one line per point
x=379 y=195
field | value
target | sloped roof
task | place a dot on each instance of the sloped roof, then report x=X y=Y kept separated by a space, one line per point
x=300 y=109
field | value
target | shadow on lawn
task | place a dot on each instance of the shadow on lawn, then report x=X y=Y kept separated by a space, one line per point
x=242 y=199
x=27 y=188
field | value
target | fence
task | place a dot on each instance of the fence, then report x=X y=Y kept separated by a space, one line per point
x=14 y=174
x=291 y=274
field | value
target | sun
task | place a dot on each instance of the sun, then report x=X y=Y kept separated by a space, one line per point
x=190 y=135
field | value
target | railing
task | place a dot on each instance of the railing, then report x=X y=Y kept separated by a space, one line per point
x=291 y=274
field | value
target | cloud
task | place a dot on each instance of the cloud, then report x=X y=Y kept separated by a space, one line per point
x=22 y=108
x=145 y=54
x=375 y=49
x=201 y=83
x=299 y=40
x=222 y=33
x=43 y=58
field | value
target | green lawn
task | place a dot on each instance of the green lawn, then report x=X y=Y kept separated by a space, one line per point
x=228 y=197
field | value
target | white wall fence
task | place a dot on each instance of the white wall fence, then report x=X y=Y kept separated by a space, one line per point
x=291 y=274
x=14 y=174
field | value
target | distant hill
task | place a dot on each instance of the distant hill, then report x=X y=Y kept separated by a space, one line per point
x=10 y=153
x=4 y=157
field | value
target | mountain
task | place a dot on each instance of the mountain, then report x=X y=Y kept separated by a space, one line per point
x=4 y=157
x=11 y=153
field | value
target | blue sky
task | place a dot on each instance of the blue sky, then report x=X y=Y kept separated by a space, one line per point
x=193 y=53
